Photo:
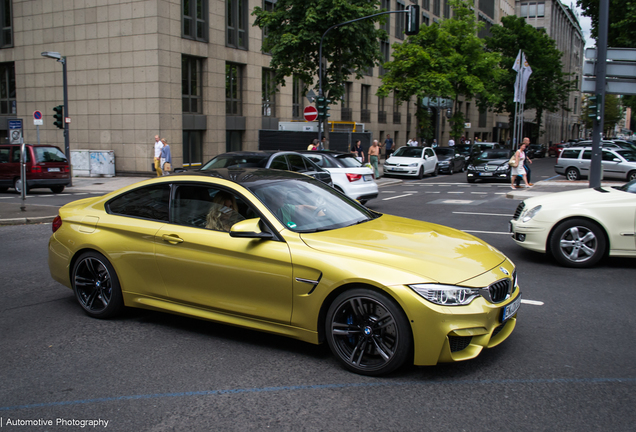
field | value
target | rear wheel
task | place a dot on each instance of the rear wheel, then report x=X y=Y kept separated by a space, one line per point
x=17 y=185
x=57 y=189
x=572 y=174
x=96 y=286
x=368 y=332
x=450 y=169
x=631 y=175
x=577 y=243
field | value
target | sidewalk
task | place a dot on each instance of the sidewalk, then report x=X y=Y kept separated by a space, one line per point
x=12 y=213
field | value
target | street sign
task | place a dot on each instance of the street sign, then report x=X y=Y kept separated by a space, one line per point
x=620 y=54
x=612 y=86
x=37 y=118
x=15 y=131
x=311 y=96
x=618 y=69
x=310 y=112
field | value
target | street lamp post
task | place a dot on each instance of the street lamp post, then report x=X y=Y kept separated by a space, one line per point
x=67 y=146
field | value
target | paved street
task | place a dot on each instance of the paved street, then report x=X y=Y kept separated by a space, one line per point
x=568 y=366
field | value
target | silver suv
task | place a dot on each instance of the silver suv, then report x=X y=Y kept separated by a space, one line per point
x=617 y=163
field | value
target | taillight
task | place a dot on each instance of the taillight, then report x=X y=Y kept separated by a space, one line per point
x=353 y=177
x=57 y=223
x=36 y=169
x=66 y=169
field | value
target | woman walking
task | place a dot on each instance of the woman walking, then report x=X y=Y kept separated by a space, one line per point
x=518 y=169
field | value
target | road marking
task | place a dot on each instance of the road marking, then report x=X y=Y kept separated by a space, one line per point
x=455 y=192
x=82 y=193
x=479 y=193
x=410 y=192
x=532 y=302
x=433 y=192
x=457 y=201
x=483 y=214
x=394 y=197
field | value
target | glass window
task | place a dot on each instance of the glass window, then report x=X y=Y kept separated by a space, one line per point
x=436 y=7
x=191 y=88
x=146 y=203
x=587 y=154
x=233 y=140
x=385 y=49
x=296 y=163
x=233 y=89
x=207 y=207
x=279 y=162
x=426 y=5
x=268 y=93
x=6 y=40
x=192 y=148
x=386 y=5
x=237 y=23
x=7 y=88
x=268 y=6
x=447 y=13
x=570 y=154
x=400 y=20
x=609 y=156
x=297 y=97
x=194 y=20
x=49 y=154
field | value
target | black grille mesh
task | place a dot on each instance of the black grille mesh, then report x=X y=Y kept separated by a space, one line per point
x=518 y=211
x=498 y=329
x=499 y=290
x=458 y=343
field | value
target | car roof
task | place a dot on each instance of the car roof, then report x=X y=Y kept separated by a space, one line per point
x=242 y=176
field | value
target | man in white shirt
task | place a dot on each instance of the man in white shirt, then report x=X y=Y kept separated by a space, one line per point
x=451 y=142
x=158 y=147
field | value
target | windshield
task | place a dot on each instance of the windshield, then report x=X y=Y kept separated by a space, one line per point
x=628 y=187
x=444 y=151
x=310 y=206
x=495 y=154
x=49 y=154
x=348 y=161
x=628 y=155
x=236 y=161
x=410 y=152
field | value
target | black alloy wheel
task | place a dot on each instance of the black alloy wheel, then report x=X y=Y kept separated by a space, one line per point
x=96 y=286
x=577 y=243
x=368 y=332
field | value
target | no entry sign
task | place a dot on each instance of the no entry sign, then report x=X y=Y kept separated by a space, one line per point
x=310 y=112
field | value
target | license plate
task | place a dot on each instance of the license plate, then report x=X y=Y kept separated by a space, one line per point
x=510 y=309
x=367 y=177
x=485 y=174
x=54 y=170
x=397 y=169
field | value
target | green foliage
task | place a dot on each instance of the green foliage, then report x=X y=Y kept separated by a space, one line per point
x=548 y=87
x=294 y=30
x=621 y=32
x=612 y=115
x=446 y=60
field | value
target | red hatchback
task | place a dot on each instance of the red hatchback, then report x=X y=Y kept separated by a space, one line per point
x=555 y=149
x=46 y=167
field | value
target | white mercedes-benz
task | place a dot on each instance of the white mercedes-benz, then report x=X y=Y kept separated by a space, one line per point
x=579 y=227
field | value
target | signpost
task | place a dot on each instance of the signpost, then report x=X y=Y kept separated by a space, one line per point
x=310 y=113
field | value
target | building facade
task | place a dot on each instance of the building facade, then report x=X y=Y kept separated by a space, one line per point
x=192 y=71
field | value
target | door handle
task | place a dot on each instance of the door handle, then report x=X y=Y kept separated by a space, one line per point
x=172 y=238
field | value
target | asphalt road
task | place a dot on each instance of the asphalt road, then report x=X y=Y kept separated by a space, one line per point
x=567 y=367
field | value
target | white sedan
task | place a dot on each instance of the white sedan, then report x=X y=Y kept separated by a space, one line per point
x=579 y=227
x=412 y=161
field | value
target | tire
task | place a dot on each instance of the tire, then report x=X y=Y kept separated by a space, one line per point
x=420 y=173
x=450 y=169
x=435 y=171
x=631 y=175
x=17 y=185
x=368 y=332
x=577 y=243
x=572 y=174
x=57 y=189
x=96 y=286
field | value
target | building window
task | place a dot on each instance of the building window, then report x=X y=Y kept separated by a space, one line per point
x=400 y=20
x=576 y=106
x=467 y=112
x=483 y=118
x=397 y=115
x=381 y=110
x=194 y=20
x=386 y=5
x=297 y=97
x=532 y=10
x=426 y=20
x=385 y=49
x=365 y=115
x=346 y=113
x=192 y=148
x=7 y=88
x=233 y=89
x=191 y=84
x=487 y=7
x=268 y=6
x=233 y=140
x=426 y=5
x=268 y=93
x=237 y=23
x=447 y=13
x=7 y=24
x=436 y=7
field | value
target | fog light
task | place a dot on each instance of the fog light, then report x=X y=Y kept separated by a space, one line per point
x=521 y=237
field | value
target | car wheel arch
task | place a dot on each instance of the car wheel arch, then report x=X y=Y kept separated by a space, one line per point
x=586 y=218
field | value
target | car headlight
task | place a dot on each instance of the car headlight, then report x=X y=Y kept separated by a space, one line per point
x=505 y=167
x=443 y=162
x=529 y=214
x=446 y=295
x=413 y=164
x=471 y=167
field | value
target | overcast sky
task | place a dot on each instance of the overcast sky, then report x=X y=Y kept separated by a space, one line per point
x=586 y=26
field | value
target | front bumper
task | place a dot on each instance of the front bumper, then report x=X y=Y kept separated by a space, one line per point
x=488 y=175
x=530 y=235
x=405 y=171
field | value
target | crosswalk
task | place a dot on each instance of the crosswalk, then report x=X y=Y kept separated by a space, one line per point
x=476 y=191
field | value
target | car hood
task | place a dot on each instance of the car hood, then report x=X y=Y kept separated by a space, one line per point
x=425 y=250
x=443 y=158
x=579 y=201
x=403 y=160
x=495 y=162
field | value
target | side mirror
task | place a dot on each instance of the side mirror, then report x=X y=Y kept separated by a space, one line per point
x=250 y=228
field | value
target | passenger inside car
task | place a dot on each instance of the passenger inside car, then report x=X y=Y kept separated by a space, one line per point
x=223 y=213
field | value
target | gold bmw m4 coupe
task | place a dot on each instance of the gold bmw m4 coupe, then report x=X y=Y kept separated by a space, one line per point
x=280 y=252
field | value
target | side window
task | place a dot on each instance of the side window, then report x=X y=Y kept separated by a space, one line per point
x=4 y=154
x=429 y=152
x=279 y=162
x=146 y=203
x=15 y=156
x=296 y=163
x=207 y=207
x=570 y=154
x=609 y=156
x=318 y=160
x=587 y=155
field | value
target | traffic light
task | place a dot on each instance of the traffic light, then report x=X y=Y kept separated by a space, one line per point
x=594 y=104
x=59 y=116
x=412 y=20
x=322 y=106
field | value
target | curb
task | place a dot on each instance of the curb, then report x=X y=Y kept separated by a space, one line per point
x=27 y=220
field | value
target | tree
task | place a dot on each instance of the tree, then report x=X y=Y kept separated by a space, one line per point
x=294 y=29
x=621 y=32
x=612 y=115
x=444 y=60
x=548 y=87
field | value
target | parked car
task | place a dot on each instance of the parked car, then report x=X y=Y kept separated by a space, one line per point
x=555 y=149
x=46 y=167
x=450 y=160
x=349 y=176
x=617 y=163
x=535 y=151
x=280 y=252
x=492 y=164
x=282 y=160
x=412 y=161
x=579 y=227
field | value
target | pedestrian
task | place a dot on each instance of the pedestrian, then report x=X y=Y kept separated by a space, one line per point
x=358 y=151
x=323 y=143
x=388 y=145
x=313 y=145
x=166 y=158
x=526 y=165
x=434 y=145
x=157 y=160
x=374 y=154
x=451 y=142
x=517 y=168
